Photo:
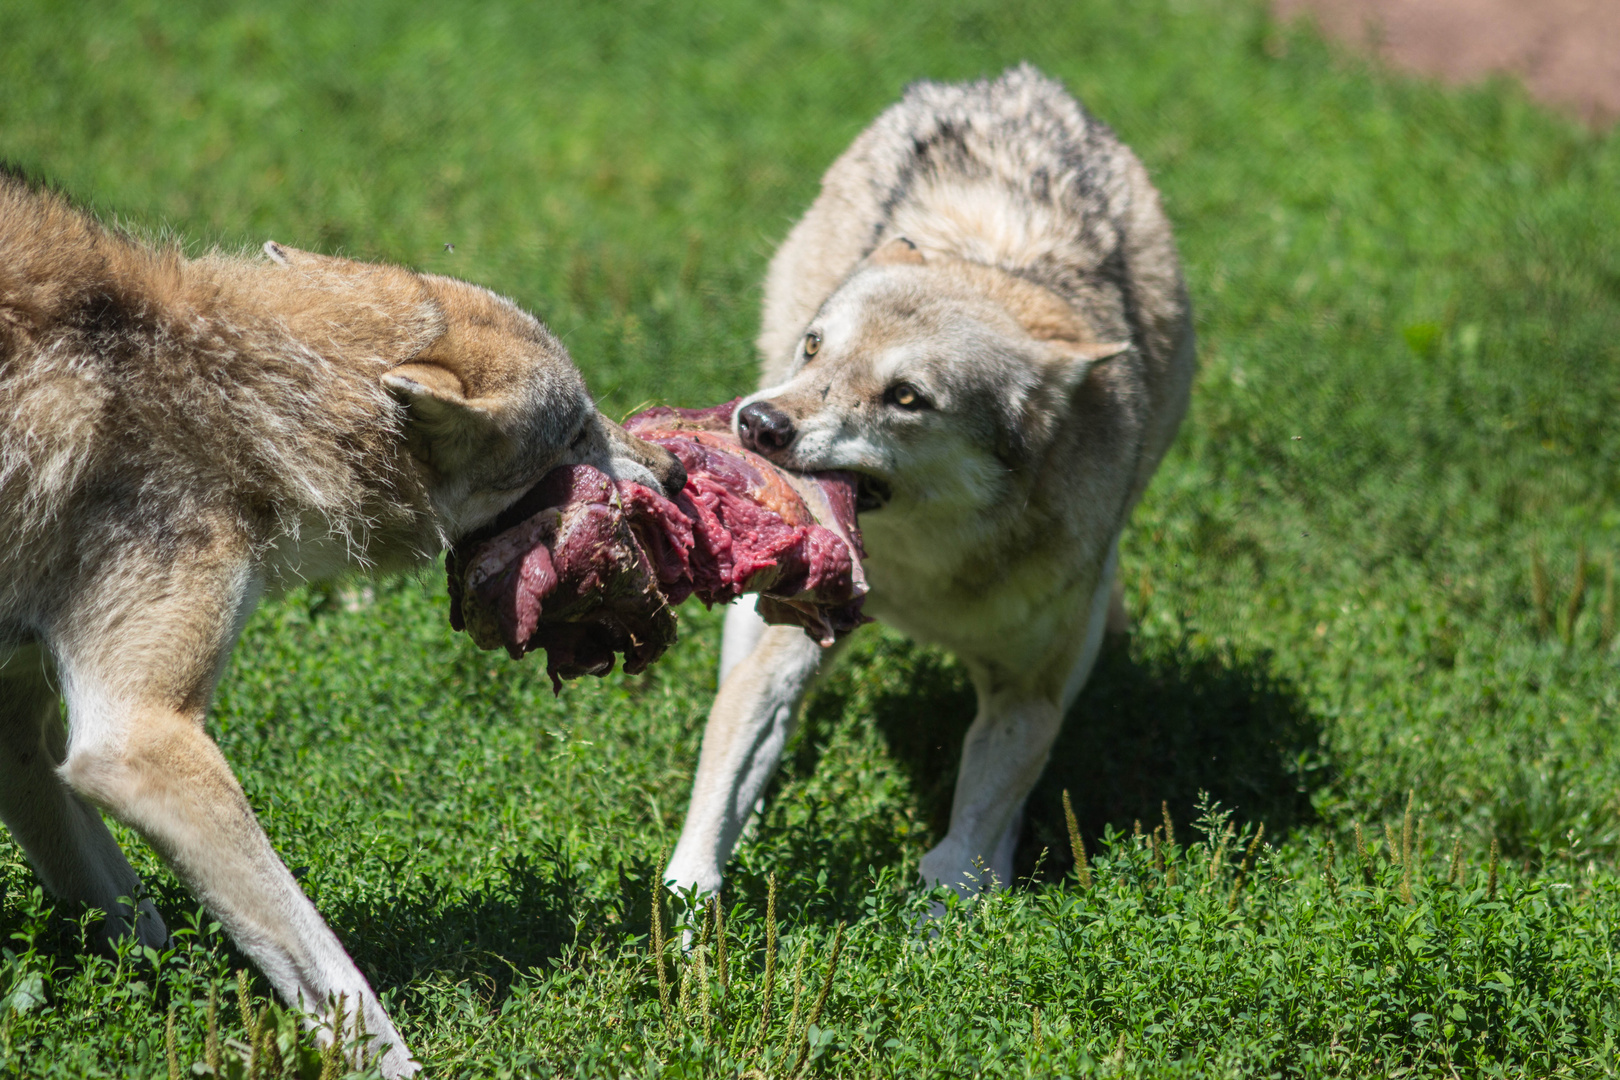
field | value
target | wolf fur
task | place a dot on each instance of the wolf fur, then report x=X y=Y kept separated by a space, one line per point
x=180 y=436
x=983 y=315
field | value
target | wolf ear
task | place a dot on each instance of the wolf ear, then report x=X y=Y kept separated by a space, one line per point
x=1069 y=361
x=282 y=255
x=442 y=428
x=1033 y=417
x=896 y=251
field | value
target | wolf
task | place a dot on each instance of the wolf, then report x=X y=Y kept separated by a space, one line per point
x=983 y=316
x=179 y=437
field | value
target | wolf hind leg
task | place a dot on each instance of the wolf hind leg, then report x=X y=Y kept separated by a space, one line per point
x=63 y=836
x=1002 y=757
x=1001 y=863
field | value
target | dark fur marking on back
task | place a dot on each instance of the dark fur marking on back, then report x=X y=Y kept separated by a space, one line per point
x=1040 y=185
x=103 y=315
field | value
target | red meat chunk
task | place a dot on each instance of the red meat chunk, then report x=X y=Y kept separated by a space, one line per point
x=586 y=567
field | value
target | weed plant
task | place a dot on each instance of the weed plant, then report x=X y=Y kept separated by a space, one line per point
x=1372 y=588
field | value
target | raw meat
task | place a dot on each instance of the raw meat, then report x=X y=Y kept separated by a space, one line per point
x=586 y=567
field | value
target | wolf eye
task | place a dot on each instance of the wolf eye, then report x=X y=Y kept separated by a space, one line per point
x=812 y=343
x=905 y=396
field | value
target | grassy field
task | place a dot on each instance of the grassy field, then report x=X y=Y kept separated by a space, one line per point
x=1355 y=582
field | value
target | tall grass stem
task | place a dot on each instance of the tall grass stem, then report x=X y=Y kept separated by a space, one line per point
x=720 y=959
x=798 y=992
x=1539 y=592
x=658 y=945
x=1243 y=870
x=1077 y=846
x=821 y=999
x=1577 y=599
x=1406 y=849
x=770 y=961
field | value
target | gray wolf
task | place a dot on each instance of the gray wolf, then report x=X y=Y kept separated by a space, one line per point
x=179 y=437
x=983 y=315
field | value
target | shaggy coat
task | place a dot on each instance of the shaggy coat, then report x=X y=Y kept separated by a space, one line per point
x=178 y=436
x=983 y=315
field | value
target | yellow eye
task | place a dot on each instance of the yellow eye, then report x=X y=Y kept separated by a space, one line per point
x=905 y=396
x=812 y=343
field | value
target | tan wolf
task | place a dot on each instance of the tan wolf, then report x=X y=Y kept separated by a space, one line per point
x=179 y=437
x=982 y=315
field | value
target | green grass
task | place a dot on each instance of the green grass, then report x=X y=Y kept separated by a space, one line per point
x=1408 y=302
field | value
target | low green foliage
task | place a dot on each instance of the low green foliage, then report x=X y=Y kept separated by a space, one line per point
x=1372 y=584
x=1218 y=957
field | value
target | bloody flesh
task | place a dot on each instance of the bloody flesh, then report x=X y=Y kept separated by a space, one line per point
x=586 y=567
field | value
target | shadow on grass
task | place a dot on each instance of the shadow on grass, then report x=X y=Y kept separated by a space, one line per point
x=1147 y=730
x=1156 y=727
x=1152 y=732
x=511 y=922
x=518 y=919
x=1161 y=725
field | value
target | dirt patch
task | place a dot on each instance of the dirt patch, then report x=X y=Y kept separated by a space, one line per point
x=1567 y=52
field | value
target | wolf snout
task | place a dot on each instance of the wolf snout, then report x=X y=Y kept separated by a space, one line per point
x=627 y=457
x=671 y=473
x=665 y=466
x=763 y=427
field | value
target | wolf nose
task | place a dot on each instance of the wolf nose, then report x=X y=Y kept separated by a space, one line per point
x=764 y=427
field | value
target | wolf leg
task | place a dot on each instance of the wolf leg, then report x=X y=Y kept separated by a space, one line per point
x=1002 y=757
x=742 y=631
x=155 y=769
x=1001 y=863
x=62 y=835
x=1107 y=602
x=752 y=717
x=1004 y=753
x=138 y=666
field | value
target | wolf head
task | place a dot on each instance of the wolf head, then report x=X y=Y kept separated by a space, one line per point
x=491 y=400
x=938 y=380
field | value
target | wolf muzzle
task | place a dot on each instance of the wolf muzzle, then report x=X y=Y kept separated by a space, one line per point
x=636 y=458
x=666 y=467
